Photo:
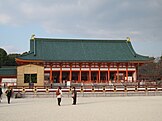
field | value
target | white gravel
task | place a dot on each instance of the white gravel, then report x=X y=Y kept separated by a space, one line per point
x=87 y=109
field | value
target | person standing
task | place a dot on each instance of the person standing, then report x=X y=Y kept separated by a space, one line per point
x=1 y=94
x=8 y=94
x=59 y=95
x=74 y=96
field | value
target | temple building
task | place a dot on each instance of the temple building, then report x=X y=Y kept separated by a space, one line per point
x=8 y=76
x=78 y=61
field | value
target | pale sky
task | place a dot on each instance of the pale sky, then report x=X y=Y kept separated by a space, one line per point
x=141 y=20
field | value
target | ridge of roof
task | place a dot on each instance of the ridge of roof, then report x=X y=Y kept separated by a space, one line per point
x=81 y=39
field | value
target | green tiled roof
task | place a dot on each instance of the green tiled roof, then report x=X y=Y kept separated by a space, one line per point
x=8 y=71
x=85 y=50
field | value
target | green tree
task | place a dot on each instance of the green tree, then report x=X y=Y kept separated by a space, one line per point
x=24 y=53
x=11 y=59
x=3 y=57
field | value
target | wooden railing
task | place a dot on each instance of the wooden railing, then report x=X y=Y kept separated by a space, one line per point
x=91 y=88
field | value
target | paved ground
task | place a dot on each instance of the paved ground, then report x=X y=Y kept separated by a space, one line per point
x=87 y=109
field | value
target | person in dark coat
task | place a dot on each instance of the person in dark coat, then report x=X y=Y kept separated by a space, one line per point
x=74 y=96
x=8 y=94
x=1 y=94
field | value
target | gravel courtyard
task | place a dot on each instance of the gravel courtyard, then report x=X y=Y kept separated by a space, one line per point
x=146 y=108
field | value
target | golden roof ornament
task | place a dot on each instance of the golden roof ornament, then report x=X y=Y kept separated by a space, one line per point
x=33 y=36
x=128 y=39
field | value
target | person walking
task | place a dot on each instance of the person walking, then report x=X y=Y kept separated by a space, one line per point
x=1 y=94
x=59 y=95
x=74 y=96
x=8 y=94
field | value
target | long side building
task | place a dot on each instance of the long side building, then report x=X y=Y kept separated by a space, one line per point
x=78 y=61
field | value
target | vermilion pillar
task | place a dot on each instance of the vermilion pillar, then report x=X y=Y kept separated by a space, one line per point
x=126 y=72
x=51 y=81
x=70 y=73
x=90 y=73
x=137 y=71
x=60 y=73
x=80 y=73
x=108 y=73
x=99 y=74
x=118 y=73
